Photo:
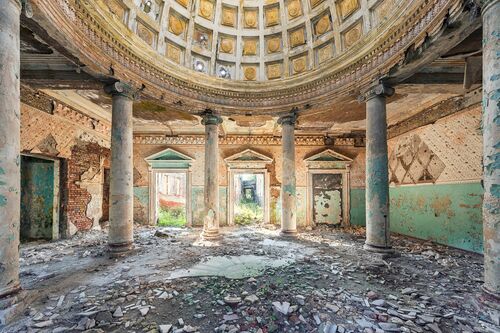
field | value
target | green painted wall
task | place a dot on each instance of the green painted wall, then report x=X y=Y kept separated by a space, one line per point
x=448 y=214
x=37 y=198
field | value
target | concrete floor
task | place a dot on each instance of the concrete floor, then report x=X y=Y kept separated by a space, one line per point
x=250 y=281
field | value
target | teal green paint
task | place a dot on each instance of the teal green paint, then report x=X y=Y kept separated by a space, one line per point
x=448 y=214
x=3 y=201
x=142 y=195
x=290 y=189
x=169 y=159
x=37 y=198
x=197 y=205
x=301 y=204
x=495 y=190
x=358 y=207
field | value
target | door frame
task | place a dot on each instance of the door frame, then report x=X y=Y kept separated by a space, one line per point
x=267 y=191
x=153 y=200
x=56 y=195
x=345 y=194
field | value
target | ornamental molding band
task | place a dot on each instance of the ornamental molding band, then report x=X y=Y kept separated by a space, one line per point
x=94 y=32
x=239 y=140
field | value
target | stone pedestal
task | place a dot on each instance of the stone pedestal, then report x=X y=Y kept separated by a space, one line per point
x=377 y=174
x=288 y=186
x=211 y=189
x=10 y=174
x=491 y=148
x=121 y=215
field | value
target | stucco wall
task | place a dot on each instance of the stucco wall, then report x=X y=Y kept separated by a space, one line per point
x=141 y=179
x=446 y=208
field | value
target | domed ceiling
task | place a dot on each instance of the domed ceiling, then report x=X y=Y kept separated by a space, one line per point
x=246 y=56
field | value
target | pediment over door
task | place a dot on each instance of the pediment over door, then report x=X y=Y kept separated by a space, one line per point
x=248 y=159
x=328 y=159
x=169 y=159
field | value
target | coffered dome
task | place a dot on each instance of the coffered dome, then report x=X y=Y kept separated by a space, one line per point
x=250 y=55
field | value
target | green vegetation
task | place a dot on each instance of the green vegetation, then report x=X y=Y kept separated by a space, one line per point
x=246 y=213
x=172 y=217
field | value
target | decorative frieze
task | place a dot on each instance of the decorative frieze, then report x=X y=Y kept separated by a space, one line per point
x=254 y=140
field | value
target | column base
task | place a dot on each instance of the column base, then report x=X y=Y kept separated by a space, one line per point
x=211 y=234
x=385 y=251
x=489 y=298
x=120 y=249
x=288 y=233
x=13 y=304
x=8 y=292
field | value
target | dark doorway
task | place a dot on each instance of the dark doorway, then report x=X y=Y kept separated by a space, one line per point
x=37 y=198
x=327 y=198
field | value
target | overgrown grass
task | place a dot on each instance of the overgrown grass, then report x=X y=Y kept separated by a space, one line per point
x=173 y=217
x=246 y=213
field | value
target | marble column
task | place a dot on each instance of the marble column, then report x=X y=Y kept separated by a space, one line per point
x=288 y=186
x=491 y=147
x=121 y=215
x=10 y=174
x=377 y=172
x=211 y=189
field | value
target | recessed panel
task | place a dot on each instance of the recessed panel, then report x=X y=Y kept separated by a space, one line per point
x=146 y=33
x=272 y=15
x=352 y=34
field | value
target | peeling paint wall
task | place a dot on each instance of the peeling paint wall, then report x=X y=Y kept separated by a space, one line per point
x=84 y=153
x=141 y=178
x=441 y=201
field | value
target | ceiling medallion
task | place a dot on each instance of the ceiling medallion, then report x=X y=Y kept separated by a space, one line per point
x=226 y=45
x=250 y=73
x=206 y=9
x=294 y=9
x=323 y=25
x=250 y=18
x=250 y=47
x=176 y=25
x=273 y=45
x=299 y=65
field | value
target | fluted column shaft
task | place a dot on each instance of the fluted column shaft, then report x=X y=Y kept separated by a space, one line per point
x=10 y=174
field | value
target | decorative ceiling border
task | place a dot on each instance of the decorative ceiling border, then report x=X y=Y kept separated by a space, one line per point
x=100 y=51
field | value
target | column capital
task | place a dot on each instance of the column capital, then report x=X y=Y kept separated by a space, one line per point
x=209 y=118
x=379 y=89
x=485 y=4
x=119 y=88
x=288 y=119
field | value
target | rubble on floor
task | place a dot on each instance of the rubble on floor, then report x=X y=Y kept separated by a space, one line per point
x=251 y=281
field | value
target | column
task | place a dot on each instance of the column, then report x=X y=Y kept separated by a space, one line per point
x=121 y=215
x=10 y=174
x=288 y=187
x=211 y=189
x=377 y=174
x=491 y=147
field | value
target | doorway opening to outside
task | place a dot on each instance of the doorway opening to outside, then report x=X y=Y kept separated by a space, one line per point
x=171 y=205
x=248 y=198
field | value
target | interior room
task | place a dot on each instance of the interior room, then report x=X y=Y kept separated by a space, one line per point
x=314 y=166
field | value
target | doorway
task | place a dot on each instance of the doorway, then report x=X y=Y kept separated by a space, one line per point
x=39 y=198
x=171 y=199
x=249 y=198
x=327 y=198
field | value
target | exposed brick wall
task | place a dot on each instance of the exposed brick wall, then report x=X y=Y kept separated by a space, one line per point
x=83 y=157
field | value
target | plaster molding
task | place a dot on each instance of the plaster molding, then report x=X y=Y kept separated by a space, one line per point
x=82 y=23
x=257 y=140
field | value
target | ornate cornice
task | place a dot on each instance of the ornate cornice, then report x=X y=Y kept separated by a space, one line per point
x=253 y=140
x=94 y=39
